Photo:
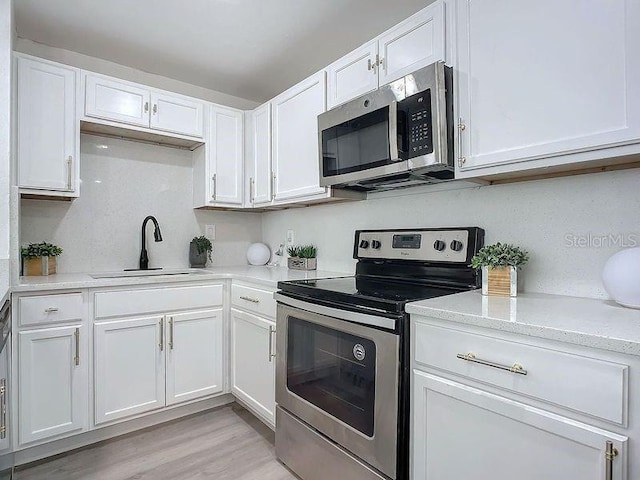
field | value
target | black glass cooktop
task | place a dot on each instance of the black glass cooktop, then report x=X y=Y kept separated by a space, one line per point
x=373 y=292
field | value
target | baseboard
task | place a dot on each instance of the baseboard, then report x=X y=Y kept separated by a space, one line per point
x=256 y=413
x=39 y=452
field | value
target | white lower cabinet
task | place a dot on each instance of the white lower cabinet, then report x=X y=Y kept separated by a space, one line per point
x=144 y=364
x=129 y=367
x=53 y=383
x=462 y=432
x=253 y=363
x=194 y=360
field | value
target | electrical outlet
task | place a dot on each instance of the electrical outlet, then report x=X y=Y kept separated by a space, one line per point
x=290 y=238
x=210 y=232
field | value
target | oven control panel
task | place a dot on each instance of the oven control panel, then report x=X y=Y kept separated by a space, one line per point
x=428 y=245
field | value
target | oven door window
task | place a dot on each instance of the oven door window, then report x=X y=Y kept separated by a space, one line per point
x=334 y=371
x=357 y=145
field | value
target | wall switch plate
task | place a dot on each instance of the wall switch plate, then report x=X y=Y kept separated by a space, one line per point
x=210 y=232
x=290 y=238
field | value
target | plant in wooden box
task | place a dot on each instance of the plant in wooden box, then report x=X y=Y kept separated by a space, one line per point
x=302 y=257
x=39 y=258
x=200 y=250
x=500 y=264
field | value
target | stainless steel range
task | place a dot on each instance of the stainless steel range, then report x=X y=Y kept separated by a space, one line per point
x=342 y=370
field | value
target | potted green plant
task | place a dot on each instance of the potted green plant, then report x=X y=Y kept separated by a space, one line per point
x=39 y=258
x=500 y=264
x=302 y=257
x=200 y=250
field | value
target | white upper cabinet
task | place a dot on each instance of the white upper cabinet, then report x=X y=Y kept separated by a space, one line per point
x=177 y=114
x=412 y=44
x=545 y=79
x=415 y=43
x=47 y=130
x=260 y=173
x=295 y=138
x=353 y=75
x=226 y=156
x=118 y=101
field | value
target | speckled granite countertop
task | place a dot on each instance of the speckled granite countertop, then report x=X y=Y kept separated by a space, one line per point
x=582 y=321
x=267 y=276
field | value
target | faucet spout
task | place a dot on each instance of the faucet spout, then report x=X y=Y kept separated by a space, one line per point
x=157 y=235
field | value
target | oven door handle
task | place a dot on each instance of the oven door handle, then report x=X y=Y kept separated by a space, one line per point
x=361 y=318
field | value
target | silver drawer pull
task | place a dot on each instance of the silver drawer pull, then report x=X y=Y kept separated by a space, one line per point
x=610 y=454
x=470 y=357
x=50 y=309
x=249 y=299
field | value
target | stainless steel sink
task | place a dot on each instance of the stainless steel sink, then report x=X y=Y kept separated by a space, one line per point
x=148 y=273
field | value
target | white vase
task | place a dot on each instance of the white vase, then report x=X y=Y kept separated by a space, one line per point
x=621 y=277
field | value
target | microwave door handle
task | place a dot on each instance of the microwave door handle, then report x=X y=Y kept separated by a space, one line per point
x=393 y=131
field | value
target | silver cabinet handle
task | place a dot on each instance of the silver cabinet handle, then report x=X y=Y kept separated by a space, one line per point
x=146 y=107
x=3 y=408
x=213 y=186
x=69 y=172
x=170 y=333
x=610 y=454
x=461 y=128
x=249 y=299
x=50 y=309
x=381 y=62
x=272 y=330
x=369 y=64
x=273 y=186
x=251 y=185
x=155 y=108
x=161 y=342
x=470 y=357
x=76 y=335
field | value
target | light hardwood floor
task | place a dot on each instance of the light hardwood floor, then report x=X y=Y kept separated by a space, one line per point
x=224 y=444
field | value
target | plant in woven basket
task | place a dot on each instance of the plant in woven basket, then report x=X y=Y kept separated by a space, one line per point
x=500 y=255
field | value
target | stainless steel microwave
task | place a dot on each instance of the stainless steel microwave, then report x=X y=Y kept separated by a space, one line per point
x=397 y=136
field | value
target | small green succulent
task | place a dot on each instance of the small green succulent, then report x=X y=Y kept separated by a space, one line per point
x=500 y=255
x=43 y=249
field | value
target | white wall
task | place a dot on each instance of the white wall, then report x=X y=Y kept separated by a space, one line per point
x=127 y=73
x=539 y=215
x=6 y=39
x=120 y=185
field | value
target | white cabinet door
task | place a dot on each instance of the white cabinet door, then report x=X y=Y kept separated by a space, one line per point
x=177 y=114
x=260 y=180
x=528 y=87
x=6 y=430
x=295 y=138
x=47 y=127
x=353 y=75
x=53 y=384
x=253 y=363
x=129 y=367
x=415 y=43
x=226 y=156
x=501 y=439
x=118 y=101
x=194 y=355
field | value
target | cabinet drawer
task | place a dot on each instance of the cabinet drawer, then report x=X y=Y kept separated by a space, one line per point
x=156 y=300
x=50 y=309
x=253 y=300
x=586 y=385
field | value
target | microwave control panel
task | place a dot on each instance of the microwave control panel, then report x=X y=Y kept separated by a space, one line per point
x=418 y=118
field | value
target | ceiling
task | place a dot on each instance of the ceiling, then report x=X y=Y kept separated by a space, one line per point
x=253 y=49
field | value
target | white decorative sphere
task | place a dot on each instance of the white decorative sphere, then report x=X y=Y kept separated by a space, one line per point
x=258 y=254
x=621 y=277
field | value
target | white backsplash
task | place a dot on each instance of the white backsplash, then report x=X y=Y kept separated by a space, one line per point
x=565 y=224
x=121 y=183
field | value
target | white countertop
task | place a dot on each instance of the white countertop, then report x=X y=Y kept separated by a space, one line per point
x=268 y=276
x=582 y=321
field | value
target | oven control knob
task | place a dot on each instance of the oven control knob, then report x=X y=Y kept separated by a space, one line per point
x=376 y=244
x=364 y=243
x=456 y=245
x=439 y=245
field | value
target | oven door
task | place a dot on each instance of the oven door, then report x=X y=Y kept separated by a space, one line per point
x=342 y=379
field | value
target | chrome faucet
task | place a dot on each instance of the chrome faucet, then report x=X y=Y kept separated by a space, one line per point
x=144 y=258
